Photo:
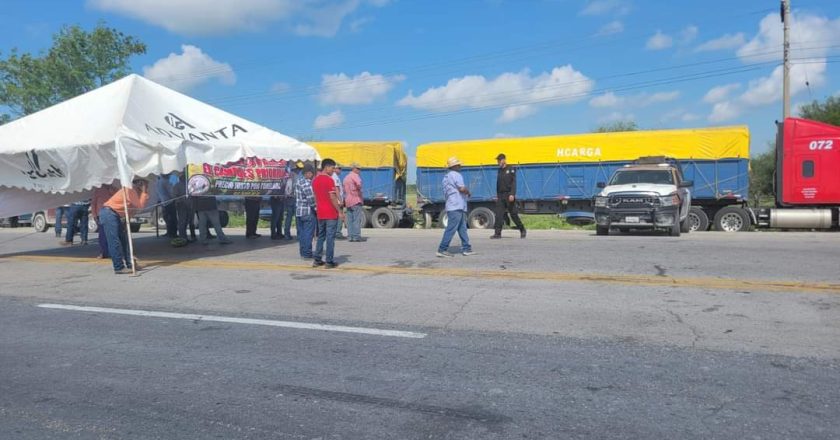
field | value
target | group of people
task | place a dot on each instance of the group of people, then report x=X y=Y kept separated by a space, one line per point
x=457 y=193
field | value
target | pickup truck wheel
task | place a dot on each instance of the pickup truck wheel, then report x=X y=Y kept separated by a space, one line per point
x=135 y=227
x=697 y=219
x=92 y=225
x=383 y=218
x=39 y=222
x=675 y=230
x=602 y=230
x=732 y=219
x=481 y=218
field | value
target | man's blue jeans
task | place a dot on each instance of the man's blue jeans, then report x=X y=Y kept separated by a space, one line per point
x=326 y=233
x=306 y=230
x=277 y=208
x=80 y=213
x=117 y=238
x=290 y=214
x=456 y=221
x=355 y=217
x=60 y=214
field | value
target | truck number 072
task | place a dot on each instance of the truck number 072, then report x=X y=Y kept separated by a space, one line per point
x=821 y=145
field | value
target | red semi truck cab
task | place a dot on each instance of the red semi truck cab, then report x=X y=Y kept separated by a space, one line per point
x=808 y=164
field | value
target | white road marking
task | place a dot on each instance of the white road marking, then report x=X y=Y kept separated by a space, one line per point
x=213 y=318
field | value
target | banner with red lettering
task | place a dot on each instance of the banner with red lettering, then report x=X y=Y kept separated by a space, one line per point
x=246 y=177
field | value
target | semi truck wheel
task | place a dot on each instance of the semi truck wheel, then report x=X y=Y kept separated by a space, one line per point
x=39 y=222
x=602 y=230
x=698 y=220
x=368 y=218
x=732 y=219
x=383 y=218
x=481 y=218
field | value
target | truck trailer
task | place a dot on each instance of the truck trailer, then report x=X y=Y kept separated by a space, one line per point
x=384 y=166
x=561 y=173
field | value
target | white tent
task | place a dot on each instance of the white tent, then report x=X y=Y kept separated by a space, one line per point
x=132 y=127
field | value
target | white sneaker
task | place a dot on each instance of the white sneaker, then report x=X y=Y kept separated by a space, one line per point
x=468 y=253
x=444 y=254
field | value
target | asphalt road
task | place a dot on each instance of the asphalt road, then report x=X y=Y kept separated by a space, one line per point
x=561 y=335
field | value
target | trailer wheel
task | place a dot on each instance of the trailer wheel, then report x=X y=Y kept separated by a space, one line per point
x=481 y=218
x=39 y=222
x=602 y=230
x=698 y=220
x=732 y=219
x=383 y=218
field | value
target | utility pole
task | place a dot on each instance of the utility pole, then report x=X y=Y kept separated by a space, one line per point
x=786 y=68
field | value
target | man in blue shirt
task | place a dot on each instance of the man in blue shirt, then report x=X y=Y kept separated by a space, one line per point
x=456 y=193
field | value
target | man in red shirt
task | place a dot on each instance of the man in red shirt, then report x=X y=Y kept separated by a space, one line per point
x=328 y=207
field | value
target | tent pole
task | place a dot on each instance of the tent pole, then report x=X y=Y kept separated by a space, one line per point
x=128 y=232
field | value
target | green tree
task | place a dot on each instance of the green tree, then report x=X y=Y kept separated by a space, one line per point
x=828 y=111
x=762 y=168
x=614 y=126
x=78 y=62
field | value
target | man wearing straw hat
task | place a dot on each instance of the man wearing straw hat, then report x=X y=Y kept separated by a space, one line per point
x=456 y=193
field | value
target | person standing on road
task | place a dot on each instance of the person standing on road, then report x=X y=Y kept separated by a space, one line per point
x=208 y=211
x=328 y=206
x=113 y=220
x=78 y=211
x=290 y=201
x=456 y=194
x=278 y=205
x=184 y=212
x=164 y=186
x=252 y=216
x=60 y=215
x=354 y=202
x=100 y=196
x=506 y=198
x=336 y=176
x=305 y=211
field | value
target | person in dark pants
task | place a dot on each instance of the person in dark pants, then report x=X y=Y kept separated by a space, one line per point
x=79 y=211
x=278 y=205
x=305 y=211
x=165 y=185
x=252 y=216
x=60 y=214
x=184 y=213
x=506 y=198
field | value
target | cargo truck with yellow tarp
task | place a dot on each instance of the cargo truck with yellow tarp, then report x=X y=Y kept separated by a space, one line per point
x=384 y=172
x=561 y=173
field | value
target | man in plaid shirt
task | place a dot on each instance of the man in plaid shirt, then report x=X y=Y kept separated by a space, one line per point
x=305 y=211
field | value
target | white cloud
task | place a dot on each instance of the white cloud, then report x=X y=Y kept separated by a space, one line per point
x=514 y=112
x=280 y=87
x=659 y=41
x=728 y=41
x=329 y=120
x=611 y=28
x=503 y=135
x=201 y=17
x=809 y=48
x=601 y=7
x=720 y=93
x=610 y=100
x=679 y=114
x=188 y=69
x=689 y=117
x=357 y=24
x=689 y=34
x=606 y=100
x=363 y=88
x=617 y=116
x=561 y=85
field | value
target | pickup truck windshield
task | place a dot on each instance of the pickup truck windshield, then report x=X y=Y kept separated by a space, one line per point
x=663 y=177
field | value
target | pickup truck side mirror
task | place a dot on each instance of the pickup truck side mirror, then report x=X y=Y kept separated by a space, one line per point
x=601 y=185
x=686 y=184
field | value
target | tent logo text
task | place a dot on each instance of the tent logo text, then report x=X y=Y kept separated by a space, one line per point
x=35 y=171
x=188 y=132
x=176 y=122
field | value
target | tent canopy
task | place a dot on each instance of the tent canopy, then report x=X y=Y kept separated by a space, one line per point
x=131 y=127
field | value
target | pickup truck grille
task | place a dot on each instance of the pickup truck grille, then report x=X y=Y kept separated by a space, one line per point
x=633 y=201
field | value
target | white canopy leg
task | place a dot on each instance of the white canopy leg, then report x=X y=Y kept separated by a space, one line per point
x=128 y=232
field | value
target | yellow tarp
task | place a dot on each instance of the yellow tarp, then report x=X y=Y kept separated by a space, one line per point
x=702 y=143
x=389 y=154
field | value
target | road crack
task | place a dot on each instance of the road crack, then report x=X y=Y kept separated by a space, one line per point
x=458 y=312
x=693 y=329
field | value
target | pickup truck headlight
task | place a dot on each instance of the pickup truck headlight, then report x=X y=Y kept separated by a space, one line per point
x=671 y=200
x=601 y=202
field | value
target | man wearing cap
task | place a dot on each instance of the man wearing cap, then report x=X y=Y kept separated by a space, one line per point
x=456 y=193
x=506 y=198
x=354 y=202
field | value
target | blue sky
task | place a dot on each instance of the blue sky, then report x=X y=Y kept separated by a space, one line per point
x=422 y=71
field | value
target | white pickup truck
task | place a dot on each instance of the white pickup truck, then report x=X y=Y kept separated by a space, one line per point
x=650 y=194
